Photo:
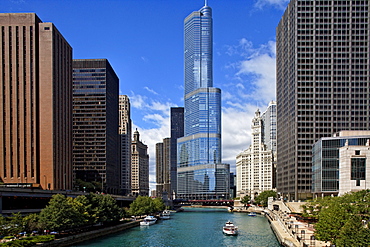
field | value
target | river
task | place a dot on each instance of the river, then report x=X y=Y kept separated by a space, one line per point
x=194 y=227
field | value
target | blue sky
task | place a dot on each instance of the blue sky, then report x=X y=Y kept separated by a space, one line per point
x=143 y=41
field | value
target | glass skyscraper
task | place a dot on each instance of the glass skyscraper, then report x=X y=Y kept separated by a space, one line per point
x=201 y=175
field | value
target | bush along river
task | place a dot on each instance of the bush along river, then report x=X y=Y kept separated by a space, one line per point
x=194 y=227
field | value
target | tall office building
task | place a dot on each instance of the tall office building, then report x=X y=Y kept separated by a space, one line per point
x=322 y=83
x=125 y=130
x=269 y=126
x=163 y=168
x=177 y=131
x=200 y=173
x=96 y=145
x=255 y=166
x=269 y=137
x=139 y=167
x=36 y=103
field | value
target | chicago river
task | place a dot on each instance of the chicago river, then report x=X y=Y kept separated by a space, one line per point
x=194 y=227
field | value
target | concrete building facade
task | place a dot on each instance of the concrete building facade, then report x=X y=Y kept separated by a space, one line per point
x=332 y=162
x=125 y=132
x=139 y=167
x=163 y=168
x=36 y=103
x=322 y=73
x=354 y=168
x=255 y=166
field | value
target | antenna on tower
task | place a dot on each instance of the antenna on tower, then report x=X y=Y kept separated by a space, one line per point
x=205 y=2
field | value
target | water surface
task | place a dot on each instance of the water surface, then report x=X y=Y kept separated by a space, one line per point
x=194 y=227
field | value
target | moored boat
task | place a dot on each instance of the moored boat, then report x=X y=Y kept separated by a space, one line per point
x=149 y=220
x=252 y=214
x=230 y=229
x=166 y=215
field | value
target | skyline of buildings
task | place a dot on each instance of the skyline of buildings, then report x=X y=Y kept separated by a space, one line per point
x=322 y=83
x=329 y=94
x=200 y=172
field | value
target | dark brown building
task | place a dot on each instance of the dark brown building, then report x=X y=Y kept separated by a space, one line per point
x=96 y=142
x=36 y=103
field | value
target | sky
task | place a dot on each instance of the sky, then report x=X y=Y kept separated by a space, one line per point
x=143 y=41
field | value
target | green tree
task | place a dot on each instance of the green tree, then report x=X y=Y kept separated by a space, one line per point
x=143 y=205
x=158 y=205
x=60 y=214
x=14 y=224
x=245 y=200
x=85 y=209
x=262 y=198
x=108 y=210
x=331 y=220
x=342 y=220
x=31 y=222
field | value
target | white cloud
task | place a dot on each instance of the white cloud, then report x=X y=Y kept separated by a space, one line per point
x=254 y=73
x=145 y=59
x=262 y=70
x=280 y=4
x=252 y=86
x=137 y=101
x=151 y=90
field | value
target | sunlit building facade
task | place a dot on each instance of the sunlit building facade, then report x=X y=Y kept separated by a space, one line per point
x=163 y=168
x=139 y=167
x=125 y=132
x=331 y=163
x=35 y=103
x=255 y=166
x=322 y=83
x=200 y=173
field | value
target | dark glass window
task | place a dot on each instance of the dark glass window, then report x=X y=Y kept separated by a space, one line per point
x=358 y=168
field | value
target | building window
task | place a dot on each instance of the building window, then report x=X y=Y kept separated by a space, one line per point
x=46 y=28
x=358 y=170
x=357 y=152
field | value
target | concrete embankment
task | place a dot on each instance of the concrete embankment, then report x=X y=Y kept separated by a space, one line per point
x=78 y=238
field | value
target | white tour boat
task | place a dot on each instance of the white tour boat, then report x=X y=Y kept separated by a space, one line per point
x=149 y=220
x=230 y=229
x=166 y=215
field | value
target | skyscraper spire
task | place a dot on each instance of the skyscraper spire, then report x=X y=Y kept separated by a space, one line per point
x=205 y=3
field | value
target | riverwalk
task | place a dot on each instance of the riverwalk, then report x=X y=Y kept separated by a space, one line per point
x=287 y=228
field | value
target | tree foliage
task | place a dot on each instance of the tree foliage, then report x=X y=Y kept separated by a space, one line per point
x=60 y=214
x=262 y=198
x=66 y=213
x=245 y=200
x=144 y=205
x=344 y=220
